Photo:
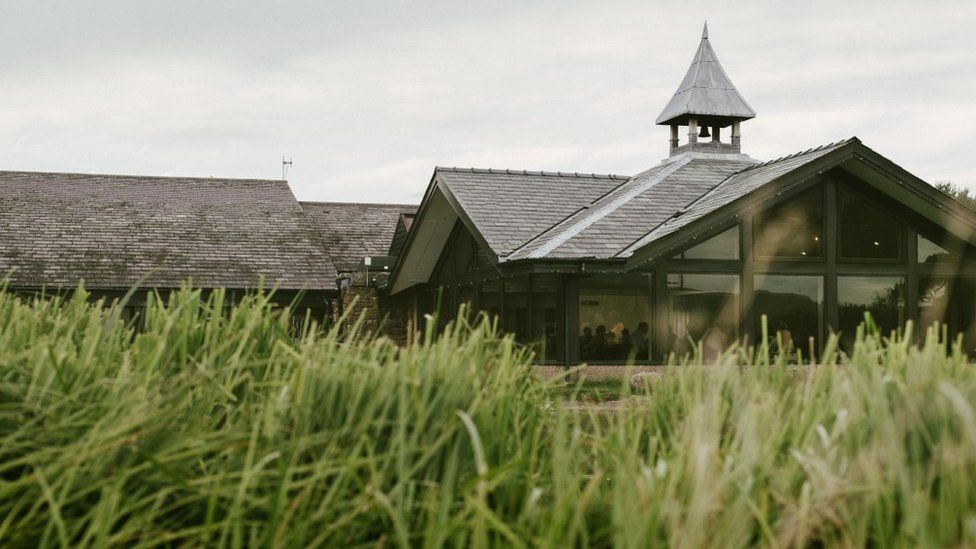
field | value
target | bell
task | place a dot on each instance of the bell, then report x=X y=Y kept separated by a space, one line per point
x=704 y=132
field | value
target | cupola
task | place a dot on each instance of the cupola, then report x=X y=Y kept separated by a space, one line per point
x=706 y=102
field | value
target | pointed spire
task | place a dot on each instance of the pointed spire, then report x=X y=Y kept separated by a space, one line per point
x=706 y=92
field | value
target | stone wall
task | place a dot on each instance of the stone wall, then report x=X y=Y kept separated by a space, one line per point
x=364 y=301
x=361 y=301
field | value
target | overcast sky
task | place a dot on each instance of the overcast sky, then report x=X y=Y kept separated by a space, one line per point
x=367 y=97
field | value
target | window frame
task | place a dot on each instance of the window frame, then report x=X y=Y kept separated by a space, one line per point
x=820 y=187
x=842 y=187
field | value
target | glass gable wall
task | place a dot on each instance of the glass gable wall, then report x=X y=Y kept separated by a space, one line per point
x=702 y=308
x=793 y=306
x=792 y=229
x=812 y=264
x=615 y=317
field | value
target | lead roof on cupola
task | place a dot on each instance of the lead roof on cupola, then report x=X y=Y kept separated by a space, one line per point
x=706 y=93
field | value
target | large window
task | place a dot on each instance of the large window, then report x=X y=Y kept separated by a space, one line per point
x=702 y=308
x=935 y=304
x=490 y=298
x=546 y=335
x=793 y=307
x=930 y=252
x=866 y=230
x=881 y=296
x=615 y=317
x=516 y=314
x=792 y=229
x=467 y=295
x=724 y=245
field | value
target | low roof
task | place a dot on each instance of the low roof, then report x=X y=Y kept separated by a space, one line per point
x=352 y=231
x=116 y=231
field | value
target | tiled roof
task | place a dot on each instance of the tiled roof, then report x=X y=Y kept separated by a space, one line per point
x=612 y=222
x=558 y=215
x=404 y=222
x=352 y=231
x=736 y=186
x=511 y=207
x=116 y=231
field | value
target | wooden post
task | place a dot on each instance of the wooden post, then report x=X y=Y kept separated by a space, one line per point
x=716 y=134
x=736 y=136
x=692 y=131
x=674 y=137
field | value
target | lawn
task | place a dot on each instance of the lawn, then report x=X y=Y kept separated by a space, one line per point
x=217 y=426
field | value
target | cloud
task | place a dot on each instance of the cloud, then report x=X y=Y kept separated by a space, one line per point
x=368 y=97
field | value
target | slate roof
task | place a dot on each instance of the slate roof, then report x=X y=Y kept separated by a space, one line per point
x=706 y=90
x=614 y=221
x=404 y=222
x=736 y=186
x=561 y=216
x=352 y=231
x=116 y=231
x=510 y=207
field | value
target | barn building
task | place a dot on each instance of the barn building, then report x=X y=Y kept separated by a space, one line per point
x=583 y=267
x=698 y=248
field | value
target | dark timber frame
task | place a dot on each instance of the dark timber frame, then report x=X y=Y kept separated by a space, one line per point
x=856 y=168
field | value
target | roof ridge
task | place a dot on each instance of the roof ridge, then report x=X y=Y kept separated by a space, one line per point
x=605 y=209
x=747 y=168
x=797 y=154
x=497 y=171
x=339 y=203
x=136 y=176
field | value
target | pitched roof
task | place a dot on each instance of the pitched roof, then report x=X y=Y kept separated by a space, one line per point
x=705 y=91
x=612 y=222
x=734 y=187
x=612 y=218
x=565 y=216
x=404 y=222
x=352 y=231
x=115 y=231
x=510 y=207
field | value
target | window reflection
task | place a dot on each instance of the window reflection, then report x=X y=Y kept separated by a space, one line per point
x=724 y=245
x=793 y=306
x=545 y=333
x=882 y=296
x=615 y=317
x=930 y=252
x=516 y=315
x=467 y=296
x=791 y=229
x=935 y=304
x=490 y=299
x=702 y=308
x=866 y=230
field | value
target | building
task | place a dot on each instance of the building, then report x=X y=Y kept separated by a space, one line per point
x=698 y=248
x=115 y=233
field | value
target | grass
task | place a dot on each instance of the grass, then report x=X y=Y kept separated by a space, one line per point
x=214 y=426
x=586 y=390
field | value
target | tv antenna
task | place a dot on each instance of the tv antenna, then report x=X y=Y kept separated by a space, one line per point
x=285 y=164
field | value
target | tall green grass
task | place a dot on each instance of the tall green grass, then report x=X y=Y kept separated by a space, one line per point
x=216 y=426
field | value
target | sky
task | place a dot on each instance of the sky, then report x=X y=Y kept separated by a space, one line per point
x=367 y=97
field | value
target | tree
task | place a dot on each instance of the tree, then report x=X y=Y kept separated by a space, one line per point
x=958 y=192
